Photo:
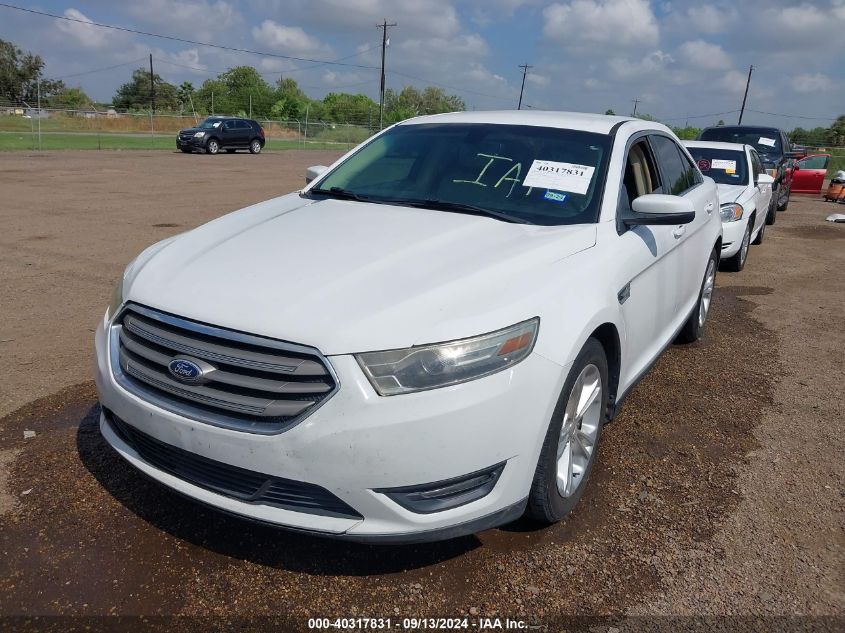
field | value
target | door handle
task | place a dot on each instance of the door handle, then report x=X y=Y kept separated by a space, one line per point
x=678 y=231
x=709 y=208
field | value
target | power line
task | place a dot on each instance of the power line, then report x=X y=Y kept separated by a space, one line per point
x=97 y=70
x=795 y=116
x=172 y=38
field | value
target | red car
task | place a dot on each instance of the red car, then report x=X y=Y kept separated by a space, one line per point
x=808 y=173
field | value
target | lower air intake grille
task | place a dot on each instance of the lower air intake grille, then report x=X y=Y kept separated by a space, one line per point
x=231 y=481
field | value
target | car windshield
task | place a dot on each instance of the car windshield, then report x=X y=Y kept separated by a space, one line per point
x=529 y=174
x=726 y=167
x=765 y=140
x=209 y=124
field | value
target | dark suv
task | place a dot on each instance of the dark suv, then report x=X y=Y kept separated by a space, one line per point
x=222 y=132
x=775 y=152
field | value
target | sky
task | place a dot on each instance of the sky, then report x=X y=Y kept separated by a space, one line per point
x=685 y=61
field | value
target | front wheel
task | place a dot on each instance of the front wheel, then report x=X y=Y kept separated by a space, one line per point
x=772 y=215
x=737 y=262
x=759 y=238
x=785 y=203
x=212 y=147
x=255 y=147
x=572 y=439
x=694 y=326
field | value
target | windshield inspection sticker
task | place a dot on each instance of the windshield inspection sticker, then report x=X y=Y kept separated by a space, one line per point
x=215 y=124
x=727 y=165
x=769 y=142
x=704 y=164
x=569 y=177
x=555 y=196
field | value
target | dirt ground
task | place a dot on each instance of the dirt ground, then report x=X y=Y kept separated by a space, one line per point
x=717 y=501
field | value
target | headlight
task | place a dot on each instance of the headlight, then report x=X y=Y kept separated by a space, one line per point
x=116 y=299
x=199 y=134
x=430 y=366
x=731 y=212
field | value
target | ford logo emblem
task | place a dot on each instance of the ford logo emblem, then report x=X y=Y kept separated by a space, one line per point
x=185 y=370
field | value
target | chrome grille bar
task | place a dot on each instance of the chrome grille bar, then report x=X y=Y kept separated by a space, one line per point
x=248 y=383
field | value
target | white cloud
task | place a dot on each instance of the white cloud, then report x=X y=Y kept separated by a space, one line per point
x=201 y=18
x=537 y=79
x=621 y=23
x=816 y=82
x=290 y=40
x=652 y=64
x=91 y=37
x=704 y=55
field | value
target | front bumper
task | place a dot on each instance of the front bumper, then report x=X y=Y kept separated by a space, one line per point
x=732 y=233
x=359 y=442
x=192 y=143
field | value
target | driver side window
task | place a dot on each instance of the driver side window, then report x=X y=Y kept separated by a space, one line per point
x=640 y=173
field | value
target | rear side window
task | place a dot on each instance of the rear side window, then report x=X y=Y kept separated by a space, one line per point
x=814 y=162
x=678 y=173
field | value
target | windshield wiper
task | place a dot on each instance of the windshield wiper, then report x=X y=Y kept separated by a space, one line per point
x=469 y=209
x=339 y=192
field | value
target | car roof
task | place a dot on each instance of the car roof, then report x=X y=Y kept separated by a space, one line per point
x=598 y=123
x=741 y=127
x=737 y=147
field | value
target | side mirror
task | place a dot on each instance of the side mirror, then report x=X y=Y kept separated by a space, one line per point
x=764 y=179
x=795 y=166
x=660 y=209
x=314 y=172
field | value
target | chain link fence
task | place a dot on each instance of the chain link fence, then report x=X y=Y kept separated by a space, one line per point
x=51 y=128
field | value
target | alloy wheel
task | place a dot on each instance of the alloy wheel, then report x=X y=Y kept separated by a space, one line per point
x=707 y=292
x=743 y=248
x=579 y=431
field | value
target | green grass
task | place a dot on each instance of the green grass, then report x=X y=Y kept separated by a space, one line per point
x=12 y=141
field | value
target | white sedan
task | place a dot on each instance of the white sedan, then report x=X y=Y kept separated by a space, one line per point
x=745 y=195
x=427 y=339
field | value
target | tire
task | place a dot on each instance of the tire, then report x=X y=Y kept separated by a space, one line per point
x=548 y=500
x=760 y=234
x=737 y=262
x=693 y=328
x=255 y=146
x=782 y=207
x=230 y=151
x=772 y=215
x=212 y=147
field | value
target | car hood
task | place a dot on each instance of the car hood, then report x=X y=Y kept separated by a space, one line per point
x=191 y=130
x=346 y=276
x=730 y=193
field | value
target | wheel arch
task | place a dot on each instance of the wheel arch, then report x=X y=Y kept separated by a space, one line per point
x=608 y=336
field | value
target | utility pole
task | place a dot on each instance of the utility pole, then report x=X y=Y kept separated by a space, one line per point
x=39 y=112
x=525 y=68
x=152 y=84
x=636 y=103
x=383 y=26
x=745 y=96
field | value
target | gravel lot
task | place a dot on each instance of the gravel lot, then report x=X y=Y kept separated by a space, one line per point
x=719 y=491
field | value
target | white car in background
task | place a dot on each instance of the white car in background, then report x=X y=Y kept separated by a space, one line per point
x=427 y=339
x=745 y=195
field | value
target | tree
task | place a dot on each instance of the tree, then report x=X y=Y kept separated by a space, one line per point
x=610 y=112
x=184 y=93
x=136 y=95
x=69 y=99
x=233 y=91
x=721 y=123
x=411 y=102
x=836 y=133
x=19 y=74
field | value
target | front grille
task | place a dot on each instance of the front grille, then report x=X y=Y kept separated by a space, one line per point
x=249 y=383
x=231 y=481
